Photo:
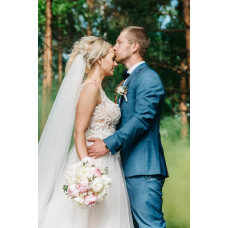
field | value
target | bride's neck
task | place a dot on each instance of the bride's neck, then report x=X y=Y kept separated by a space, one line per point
x=96 y=76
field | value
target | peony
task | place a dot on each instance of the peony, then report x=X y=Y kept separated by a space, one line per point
x=71 y=174
x=106 y=180
x=72 y=190
x=79 y=199
x=83 y=172
x=70 y=178
x=97 y=172
x=101 y=195
x=83 y=186
x=90 y=200
x=97 y=185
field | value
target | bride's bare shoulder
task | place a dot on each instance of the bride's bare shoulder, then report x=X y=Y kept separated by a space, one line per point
x=90 y=86
x=90 y=90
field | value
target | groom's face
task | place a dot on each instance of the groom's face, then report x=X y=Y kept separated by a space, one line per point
x=122 y=48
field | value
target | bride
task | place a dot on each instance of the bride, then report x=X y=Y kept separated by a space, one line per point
x=84 y=107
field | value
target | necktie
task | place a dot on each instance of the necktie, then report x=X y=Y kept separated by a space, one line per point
x=125 y=75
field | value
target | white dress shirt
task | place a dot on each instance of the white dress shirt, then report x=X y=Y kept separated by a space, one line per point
x=132 y=68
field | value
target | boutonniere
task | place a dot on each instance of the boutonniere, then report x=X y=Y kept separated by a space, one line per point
x=122 y=90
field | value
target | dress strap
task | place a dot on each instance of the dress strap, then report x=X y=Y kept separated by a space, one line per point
x=84 y=83
x=101 y=89
x=98 y=85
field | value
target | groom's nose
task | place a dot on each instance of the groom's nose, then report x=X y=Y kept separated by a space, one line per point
x=115 y=47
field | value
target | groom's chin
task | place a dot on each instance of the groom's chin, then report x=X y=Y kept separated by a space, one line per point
x=119 y=61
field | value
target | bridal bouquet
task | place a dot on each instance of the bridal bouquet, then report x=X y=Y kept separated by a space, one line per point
x=87 y=182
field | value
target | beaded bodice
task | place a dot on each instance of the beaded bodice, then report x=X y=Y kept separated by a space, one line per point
x=104 y=118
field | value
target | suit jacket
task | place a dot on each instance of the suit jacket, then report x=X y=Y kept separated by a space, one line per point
x=137 y=136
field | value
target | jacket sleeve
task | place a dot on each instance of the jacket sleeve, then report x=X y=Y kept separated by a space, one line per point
x=149 y=92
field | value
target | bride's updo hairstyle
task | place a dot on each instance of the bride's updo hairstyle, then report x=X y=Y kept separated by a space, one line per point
x=92 y=48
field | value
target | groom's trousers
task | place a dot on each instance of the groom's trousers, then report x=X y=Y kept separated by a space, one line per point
x=145 y=195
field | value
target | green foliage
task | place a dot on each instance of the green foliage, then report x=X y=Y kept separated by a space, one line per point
x=50 y=102
x=41 y=15
x=176 y=191
x=65 y=187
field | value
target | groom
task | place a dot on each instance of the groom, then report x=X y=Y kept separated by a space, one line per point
x=138 y=137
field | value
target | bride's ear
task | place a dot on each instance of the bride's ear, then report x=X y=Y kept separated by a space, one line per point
x=99 y=61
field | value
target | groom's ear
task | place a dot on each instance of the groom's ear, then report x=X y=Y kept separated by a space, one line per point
x=135 y=47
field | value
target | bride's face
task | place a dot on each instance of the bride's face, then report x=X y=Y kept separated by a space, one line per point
x=108 y=63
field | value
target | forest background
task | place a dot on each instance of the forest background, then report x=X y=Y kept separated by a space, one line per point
x=62 y=22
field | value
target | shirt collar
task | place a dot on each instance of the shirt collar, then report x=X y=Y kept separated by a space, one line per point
x=134 y=66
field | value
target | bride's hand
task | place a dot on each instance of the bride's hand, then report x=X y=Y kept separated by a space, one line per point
x=97 y=149
x=85 y=158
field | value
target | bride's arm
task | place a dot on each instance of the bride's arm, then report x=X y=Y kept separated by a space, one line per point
x=88 y=100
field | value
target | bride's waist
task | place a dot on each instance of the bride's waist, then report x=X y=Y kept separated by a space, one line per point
x=100 y=134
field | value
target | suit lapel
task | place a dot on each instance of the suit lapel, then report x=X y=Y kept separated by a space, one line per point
x=135 y=72
x=129 y=80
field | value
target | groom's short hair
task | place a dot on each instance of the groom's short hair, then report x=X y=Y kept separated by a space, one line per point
x=138 y=34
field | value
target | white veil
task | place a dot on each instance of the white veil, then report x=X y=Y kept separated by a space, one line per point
x=55 y=139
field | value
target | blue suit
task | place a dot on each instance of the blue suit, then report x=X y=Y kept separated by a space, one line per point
x=138 y=140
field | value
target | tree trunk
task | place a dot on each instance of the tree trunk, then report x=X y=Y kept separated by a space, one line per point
x=47 y=80
x=90 y=4
x=187 y=33
x=183 y=106
x=89 y=31
x=47 y=74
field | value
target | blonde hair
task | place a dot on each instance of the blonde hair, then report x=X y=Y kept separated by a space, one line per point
x=138 y=34
x=92 y=48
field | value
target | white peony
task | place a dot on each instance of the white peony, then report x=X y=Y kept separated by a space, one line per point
x=106 y=180
x=83 y=172
x=97 y=185
x=79 y=200
x=71 y=174
x=101 y=195
x=70 y=178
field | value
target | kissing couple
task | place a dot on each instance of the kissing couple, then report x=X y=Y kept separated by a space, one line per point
x=124 y=136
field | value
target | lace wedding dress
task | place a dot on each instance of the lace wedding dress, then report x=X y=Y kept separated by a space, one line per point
x=114 y=210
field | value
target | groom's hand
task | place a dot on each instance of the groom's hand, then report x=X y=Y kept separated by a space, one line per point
x=97 y=149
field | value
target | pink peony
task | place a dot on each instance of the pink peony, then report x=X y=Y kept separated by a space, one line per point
x=83 y=186
x=97 y=172
x=72 y=190
x=90 y=200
